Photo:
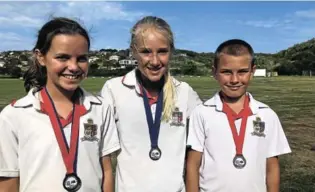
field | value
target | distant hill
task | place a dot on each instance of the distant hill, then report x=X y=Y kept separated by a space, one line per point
x=296 y=60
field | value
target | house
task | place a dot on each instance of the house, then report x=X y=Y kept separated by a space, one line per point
x=128 y=62
x=182 y=54
x=93 y=58
x=114 y=57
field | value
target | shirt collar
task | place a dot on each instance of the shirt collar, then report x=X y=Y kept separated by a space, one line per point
x=32 y=99
x=216 y=102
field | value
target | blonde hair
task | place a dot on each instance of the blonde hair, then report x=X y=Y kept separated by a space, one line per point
x=151 y=22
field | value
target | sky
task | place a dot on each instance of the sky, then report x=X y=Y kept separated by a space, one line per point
x=198 y=26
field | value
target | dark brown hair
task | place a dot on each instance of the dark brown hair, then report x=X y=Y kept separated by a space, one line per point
x=36 y=76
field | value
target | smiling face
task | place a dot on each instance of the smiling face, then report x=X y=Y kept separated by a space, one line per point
x=234 y=74
x=152 y=51
x=66 y=62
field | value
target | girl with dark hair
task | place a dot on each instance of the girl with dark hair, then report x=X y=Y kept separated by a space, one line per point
x=58 y=137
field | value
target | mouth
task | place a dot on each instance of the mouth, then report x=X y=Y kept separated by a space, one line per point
x=72 y=76
x=234 y=88
x=154 y=69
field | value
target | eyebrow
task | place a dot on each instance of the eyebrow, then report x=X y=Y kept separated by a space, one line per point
x=242 y=69
x=147 y=48
x=69 y=55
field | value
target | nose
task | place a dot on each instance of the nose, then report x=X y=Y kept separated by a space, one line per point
x=234 y=78
x=155 y=59
x=73 y=65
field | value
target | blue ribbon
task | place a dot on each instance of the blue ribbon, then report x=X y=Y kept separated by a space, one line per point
x=154 y=127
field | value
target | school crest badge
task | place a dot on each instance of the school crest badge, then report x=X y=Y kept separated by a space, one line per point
x=177 y=117
x=90 y=131
x=259 y=127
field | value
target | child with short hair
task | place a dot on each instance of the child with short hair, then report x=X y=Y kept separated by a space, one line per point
x=235 y=140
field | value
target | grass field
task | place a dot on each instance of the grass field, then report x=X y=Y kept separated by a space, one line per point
x=293 y=98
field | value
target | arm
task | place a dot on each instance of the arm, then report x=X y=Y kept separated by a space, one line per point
x=277 y=145
x=195 y=142
x=273 y=174
x=9 y=161
x=9 y=184
x=192 y=175
x=193 y=101
x=109 y=145
x=108 y=182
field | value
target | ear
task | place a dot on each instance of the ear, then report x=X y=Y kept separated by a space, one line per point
x=39 y=57
x=214 y=72
x=252 y=71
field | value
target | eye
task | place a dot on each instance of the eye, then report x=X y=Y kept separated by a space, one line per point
x=243 y=72
x=163 y=51
x=62 y=58
x=82 y=59
x=145 y=51
x=226 y=72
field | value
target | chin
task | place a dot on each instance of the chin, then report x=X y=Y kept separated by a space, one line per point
x=234 y=95
x=155 y=78
x=69 y=87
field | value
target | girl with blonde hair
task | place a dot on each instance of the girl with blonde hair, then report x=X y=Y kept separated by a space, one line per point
x=151 y=108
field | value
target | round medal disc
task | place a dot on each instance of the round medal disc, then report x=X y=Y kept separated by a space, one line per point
x=239 y=161
x=155 y=154
x=72 y=182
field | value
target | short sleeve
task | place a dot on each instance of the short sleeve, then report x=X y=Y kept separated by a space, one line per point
x=9 y=166
x=107 y=95
x=196 y=131
x=110 y=140
x=193 y=101
x=277 y=141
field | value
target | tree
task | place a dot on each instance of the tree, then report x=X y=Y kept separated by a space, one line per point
x=189 y=68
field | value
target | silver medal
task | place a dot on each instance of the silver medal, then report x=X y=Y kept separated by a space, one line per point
x=239 y=161
x=155 y=154
x=72 y=182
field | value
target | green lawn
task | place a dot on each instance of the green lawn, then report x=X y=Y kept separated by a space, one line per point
x=293 y=98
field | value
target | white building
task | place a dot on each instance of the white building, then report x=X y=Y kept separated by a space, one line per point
x=260 y=73
x=128 y=62
x=93 y=58
x=114 y=57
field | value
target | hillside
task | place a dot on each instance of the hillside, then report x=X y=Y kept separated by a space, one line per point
x=296 y=60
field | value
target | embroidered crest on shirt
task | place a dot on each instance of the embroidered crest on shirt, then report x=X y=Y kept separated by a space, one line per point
x=259 y=127
x=177 y=117
x=90 y=131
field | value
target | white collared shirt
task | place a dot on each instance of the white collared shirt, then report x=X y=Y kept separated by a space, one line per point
x=136 y=172
x=29 y=149
x=210 y=133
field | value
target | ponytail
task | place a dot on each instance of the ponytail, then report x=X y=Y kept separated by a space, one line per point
x=35 y=76
x=169 y=97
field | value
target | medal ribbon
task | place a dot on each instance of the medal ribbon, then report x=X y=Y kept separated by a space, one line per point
x=68 y=154
x=154 y=127
x=238 y=139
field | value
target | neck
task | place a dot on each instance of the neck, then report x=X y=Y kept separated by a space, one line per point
x=150 y=86
x=235 y=103
x=58 y=95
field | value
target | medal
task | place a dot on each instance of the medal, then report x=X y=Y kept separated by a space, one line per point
x=155 y=154
x=154 y=127
x=239 y=160
x=71 y=181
